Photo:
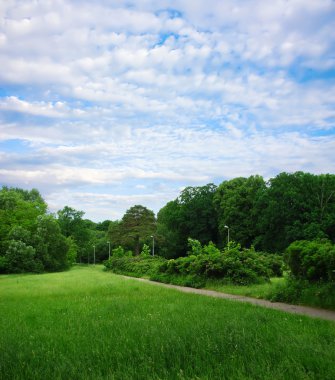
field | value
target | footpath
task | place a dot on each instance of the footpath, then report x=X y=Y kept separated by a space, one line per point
x=294 y=309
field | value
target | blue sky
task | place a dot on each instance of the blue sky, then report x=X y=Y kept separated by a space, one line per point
x=108 y=104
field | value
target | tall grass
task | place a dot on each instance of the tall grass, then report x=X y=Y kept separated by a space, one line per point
x=264 y=290
x=90 y=324
x=283 y=289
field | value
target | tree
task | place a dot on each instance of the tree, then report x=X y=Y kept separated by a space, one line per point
x=51 y=246
x=72 y=251
x=193 y=215
x=296 y=206
x=72 y=224
x=70 y=221
x=171 y=242
x=20 y=258
x=235 y=201
x=136 y=227
x=312 y=260
x=19 y=210
x=103 y=226
x=198 y=217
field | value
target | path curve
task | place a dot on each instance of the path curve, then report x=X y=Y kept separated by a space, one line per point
x=294 y=309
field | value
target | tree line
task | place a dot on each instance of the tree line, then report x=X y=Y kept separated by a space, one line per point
x=268 y=215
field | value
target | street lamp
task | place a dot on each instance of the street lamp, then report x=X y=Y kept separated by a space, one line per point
x=228 y=234
x=153 y=245
x=94 y=254
x=109 y=249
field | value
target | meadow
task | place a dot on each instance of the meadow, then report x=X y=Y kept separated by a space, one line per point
x=90 y=324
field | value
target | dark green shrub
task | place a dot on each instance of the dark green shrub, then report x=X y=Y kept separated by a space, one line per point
x=235 y=265
x=21 y=258
x=274 y=262
x=135 y=265
x=191 y=281
x=312 y=260
x=299 y=291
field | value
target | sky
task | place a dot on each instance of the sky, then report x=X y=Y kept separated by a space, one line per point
x=109 y=104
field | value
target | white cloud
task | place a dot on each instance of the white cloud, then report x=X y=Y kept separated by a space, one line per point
x=57 y=109
x=162 y=92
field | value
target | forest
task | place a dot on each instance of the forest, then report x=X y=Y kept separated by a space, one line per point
x=265 y=215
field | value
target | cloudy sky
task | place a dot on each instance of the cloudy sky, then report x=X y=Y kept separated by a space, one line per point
x=108 y=104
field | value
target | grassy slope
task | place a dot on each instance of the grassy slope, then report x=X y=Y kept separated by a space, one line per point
x=89 y=324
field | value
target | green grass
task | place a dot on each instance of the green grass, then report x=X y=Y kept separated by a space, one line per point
x=283 y=290
x=91 y=324
x=264 y=290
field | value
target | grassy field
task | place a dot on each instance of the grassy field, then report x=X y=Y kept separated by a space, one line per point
x=90 y=324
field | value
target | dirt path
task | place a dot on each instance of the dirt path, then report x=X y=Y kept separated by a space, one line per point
x=295 y=309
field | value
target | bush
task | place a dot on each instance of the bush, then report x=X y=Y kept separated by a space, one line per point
x=145 y=251
x=191 y=281
x=21 y=258
x=298 y=291
x=136 y=266
x=313 y=261
x=275 y=263
x=234 y=265
x=120 y=252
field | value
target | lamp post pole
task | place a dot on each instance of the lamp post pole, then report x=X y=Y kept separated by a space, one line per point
x=228 y=235
x=153 y=245
x=109 y=249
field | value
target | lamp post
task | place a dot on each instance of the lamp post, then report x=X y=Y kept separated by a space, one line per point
x=109 y=249
x=228 y=235
x=94 y=254
x=153 y=245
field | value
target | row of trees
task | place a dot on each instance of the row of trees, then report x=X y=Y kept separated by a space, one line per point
x=268 y=215
x=33 y=240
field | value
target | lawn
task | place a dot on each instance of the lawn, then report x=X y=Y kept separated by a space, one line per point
x=91 y=324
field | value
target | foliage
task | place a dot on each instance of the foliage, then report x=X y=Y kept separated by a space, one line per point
x=274 y=262
x=18 y=209
x=72 y=224
x=269 y=215
x=120 y=252
x=197 y=213
x=235 y=265
x=235 y=202
x=191 y=214
x=103 y=226
x=71 y=256
x=21 y=258
x=171 y=242
x=297 y=206
x=30 y=240
x=303 y=292
x=136 y=266
x=135 y=229
x=312 y=260
x=51 y=246
x=195 y=245
x=145 y=250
